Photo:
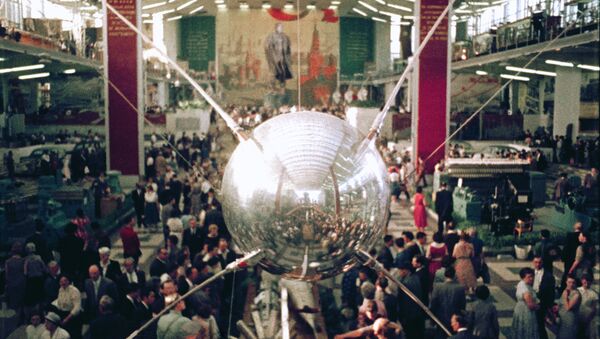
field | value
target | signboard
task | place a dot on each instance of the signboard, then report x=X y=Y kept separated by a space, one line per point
x=357 y=44
x=197 y=36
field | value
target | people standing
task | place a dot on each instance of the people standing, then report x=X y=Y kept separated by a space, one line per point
x=484 y=316
x=569 y=251
x=588 y=325
x=447 y=298
x=436 y=251
x=444 y=206
x=524 y=314
x=138 y=203
x=543 y=285
x=568 y=310
x=463 y=253
x=151 y=216
x=130 y=240
x=585 y=257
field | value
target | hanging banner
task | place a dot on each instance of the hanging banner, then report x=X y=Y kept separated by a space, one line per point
x=432 y=84
x=122 y=67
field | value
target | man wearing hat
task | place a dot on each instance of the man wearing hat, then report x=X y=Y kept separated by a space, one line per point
x=108 y=268
x=54 y=330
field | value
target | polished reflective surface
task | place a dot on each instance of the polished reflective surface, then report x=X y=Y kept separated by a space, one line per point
x=299 y=190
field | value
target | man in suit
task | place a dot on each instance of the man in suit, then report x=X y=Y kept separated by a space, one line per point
x=448 y=298
x=138 y=202
x=571 y=244
x=70 y=248
x=159 y=265
x=410 y=315
x=443 y=206
x=385 y=256
x=108 y=268
x=547 y=250
x=144 y=313
x=131 y=275
x=39 y=239
x=95 y=287
x=186 y=282
x=130 y=306
x=193 y=238
x=483 y=315
x=543 y=285
x=130 y=240
x=51 y=284
x=108 y=324
x=460 y=327
x=419 y=264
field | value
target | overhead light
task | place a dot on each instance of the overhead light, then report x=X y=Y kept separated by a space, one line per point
x=34 y=76
x=380 y=1
x=158 y=4
x=88 y=8
x=69 y=0
x=333 y=7
x=462 y=11
x=589 y=67
x=530 y=71
x=368 y=6
x=390 y=14
x=405 y=23
x=267 y=5
x=359 y=11
x=336 y=2
x=499 y=2
x=69 y=71
x=408 y=17
x=560 y=63
x=514 y=77
x=479 y=72
x=222 y=6
x=197 y=9
x=244 y=5
x=145 y=15
x=378 y=19
x=402 y=8
x=189 y=3
x=311 y=6
x=21 y=68
x=289 y=5
x=219 y=2
x=479 y=3
x=174 y=18
x=168 y=11
x=2 y=59
x=147 y=21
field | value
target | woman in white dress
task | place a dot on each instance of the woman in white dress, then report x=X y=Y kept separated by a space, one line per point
x=587 y=312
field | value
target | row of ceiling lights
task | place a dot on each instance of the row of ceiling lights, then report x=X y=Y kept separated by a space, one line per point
x=539 y=72
x=31 y=68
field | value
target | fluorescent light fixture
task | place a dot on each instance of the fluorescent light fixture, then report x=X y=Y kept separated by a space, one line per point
x=289 y=6
x=334 y=7
x=197 y=9
x=589 y=67
x=380 y=1
x=88 y=8
x=530 y=71
x=145 y=15
x=479 y=72
x=336 y=2
x=462 y=11
x=158 y=4
x=219 y=2
x=514 y=77
x=402 y=8
x=479 y=3
x=560 y=63
x=498 y=2
x=2 y=59
x=222 y=6
x=69 y=71
x=21 y=68
x=368 y=6
x=378 y=19
x=408 y=17
x=311 y=6
x=147 y=21
x=405 y=23
x=174 y=18
x=267 y=5
x=69 y=0
x=390 y=14
x=359 y=11
x=34 y=76
x=168 y=11
x=244 y=5
x=189 y=3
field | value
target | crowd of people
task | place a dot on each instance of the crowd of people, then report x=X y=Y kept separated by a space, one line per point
x=584 y=153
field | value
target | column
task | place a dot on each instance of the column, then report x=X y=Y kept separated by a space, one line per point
x=124 y=89
x=431 y=80
x=566 y=100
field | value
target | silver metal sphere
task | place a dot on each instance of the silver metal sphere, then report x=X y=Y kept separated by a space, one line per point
x=299 y=190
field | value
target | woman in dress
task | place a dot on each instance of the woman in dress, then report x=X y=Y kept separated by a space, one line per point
x=524 y=324
x=436 y=251
x=585 y=257
x=151 y=207
x=35 y=271
x=568 y=310
x=588 y=327
x=420 y=213
x=463 y=253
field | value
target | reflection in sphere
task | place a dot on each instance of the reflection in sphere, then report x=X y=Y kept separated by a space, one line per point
x=298 y=189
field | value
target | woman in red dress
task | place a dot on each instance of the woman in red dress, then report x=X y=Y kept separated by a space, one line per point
x=436 y=251
x=420 y=214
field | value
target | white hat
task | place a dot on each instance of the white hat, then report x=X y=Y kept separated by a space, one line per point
x=53 y=318
x=104 y=250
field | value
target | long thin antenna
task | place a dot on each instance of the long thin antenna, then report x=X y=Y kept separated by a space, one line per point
x=228 y=120
x=299 y=55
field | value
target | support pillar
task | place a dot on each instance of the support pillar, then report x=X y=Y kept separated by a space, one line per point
x=567 y=103
x=431 y=75
x=124 y=89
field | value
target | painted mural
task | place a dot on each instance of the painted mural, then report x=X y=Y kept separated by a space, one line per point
x=244 y=75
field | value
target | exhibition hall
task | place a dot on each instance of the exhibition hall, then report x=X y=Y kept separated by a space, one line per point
x=275 y=169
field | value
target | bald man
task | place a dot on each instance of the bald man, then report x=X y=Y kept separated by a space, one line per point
x=96 y=287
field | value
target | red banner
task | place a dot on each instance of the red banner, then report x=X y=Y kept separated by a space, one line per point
x=122 y=72
x=433 y=83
